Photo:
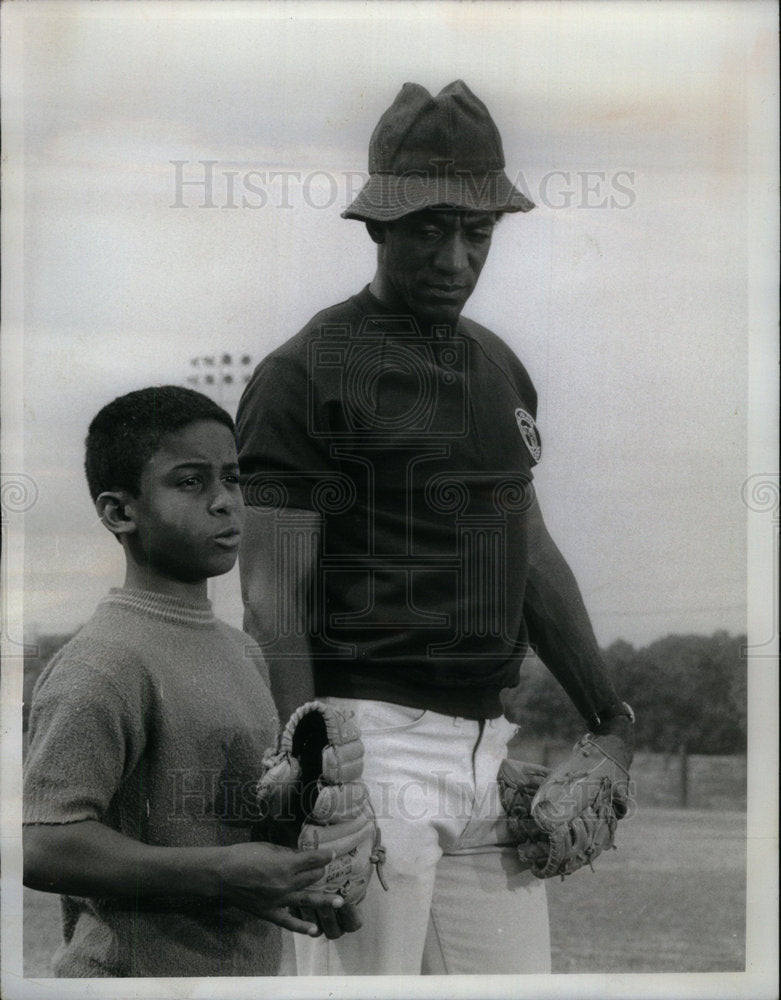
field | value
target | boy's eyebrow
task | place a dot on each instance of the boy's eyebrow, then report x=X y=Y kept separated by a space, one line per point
x=201 y=463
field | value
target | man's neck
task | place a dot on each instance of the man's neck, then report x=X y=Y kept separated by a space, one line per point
x=384 y=293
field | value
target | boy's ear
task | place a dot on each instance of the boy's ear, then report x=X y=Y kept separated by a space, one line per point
x=114 y=513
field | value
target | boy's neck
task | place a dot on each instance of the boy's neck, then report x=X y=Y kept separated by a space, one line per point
x=143 y=578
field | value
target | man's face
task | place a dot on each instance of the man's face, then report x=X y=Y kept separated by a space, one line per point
x=189 y=511
x=430 y=261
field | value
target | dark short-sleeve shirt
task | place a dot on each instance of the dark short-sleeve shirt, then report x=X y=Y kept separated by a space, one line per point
x=417 y=447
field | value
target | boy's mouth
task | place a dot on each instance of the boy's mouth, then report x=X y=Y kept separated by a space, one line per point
x=229 y=538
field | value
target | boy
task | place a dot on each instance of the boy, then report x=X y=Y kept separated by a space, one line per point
x=148 y=728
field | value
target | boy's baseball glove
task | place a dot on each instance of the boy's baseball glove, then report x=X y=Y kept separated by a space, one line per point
x=565 y=818
x=310 y=796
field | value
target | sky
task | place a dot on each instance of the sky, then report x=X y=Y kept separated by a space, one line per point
x=183 y=167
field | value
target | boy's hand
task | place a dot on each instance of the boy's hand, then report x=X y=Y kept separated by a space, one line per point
x=334 y=922
x=87 y=858
x=290 y=921
x=265 y=879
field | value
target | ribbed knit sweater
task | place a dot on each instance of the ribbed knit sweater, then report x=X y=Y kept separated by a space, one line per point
x=153 y=720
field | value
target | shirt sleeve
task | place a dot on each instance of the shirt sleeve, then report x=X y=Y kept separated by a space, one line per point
x=283 y=454
x=85 y=735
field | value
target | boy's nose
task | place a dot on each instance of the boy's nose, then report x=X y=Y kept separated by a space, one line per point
x=224 y=499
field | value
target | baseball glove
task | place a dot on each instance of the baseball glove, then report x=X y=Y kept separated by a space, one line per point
x=565 y=818
x=311 y=796
x=518 y=784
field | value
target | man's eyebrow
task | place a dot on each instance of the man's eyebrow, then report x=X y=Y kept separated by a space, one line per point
x=435 y=217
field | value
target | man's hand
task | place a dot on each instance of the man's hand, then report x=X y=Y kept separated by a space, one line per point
x=616 y=736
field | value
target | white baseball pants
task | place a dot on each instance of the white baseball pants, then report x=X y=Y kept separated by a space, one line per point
x=457 y=900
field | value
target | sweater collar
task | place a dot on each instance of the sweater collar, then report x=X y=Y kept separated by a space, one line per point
x=163 y=607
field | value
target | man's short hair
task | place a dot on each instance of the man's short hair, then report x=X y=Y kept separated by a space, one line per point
x=129 y=430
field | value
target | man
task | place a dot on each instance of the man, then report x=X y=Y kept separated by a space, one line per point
x=396 y=562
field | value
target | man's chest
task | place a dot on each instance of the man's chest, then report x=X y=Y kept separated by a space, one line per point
x=398 y=414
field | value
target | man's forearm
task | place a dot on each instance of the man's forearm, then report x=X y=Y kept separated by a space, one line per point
x=287 y=655
x=561 y=634
x=560 y=629
x=290 y=677
x=277 y=586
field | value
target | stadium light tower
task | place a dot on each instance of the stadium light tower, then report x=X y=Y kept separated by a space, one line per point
x=222 y=376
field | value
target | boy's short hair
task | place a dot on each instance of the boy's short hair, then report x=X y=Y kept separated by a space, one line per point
x=128 y=431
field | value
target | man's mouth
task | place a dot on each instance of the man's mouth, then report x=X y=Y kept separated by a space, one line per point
x=445 y=291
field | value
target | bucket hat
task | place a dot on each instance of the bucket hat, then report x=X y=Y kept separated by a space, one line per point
x=443 y=151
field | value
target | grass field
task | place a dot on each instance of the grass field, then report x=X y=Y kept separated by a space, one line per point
x=670 y=899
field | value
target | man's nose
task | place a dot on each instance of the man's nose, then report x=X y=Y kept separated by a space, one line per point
x=452 y=255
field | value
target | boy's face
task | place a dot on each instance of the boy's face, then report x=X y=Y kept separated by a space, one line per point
x=189 y=511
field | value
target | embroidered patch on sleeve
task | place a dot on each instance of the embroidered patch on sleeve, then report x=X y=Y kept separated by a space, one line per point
x=529 y=433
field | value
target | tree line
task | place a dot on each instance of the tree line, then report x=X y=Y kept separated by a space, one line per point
x=685 y=690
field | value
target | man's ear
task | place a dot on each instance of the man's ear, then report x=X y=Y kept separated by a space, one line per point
x=113 y=511
x=376 y=230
